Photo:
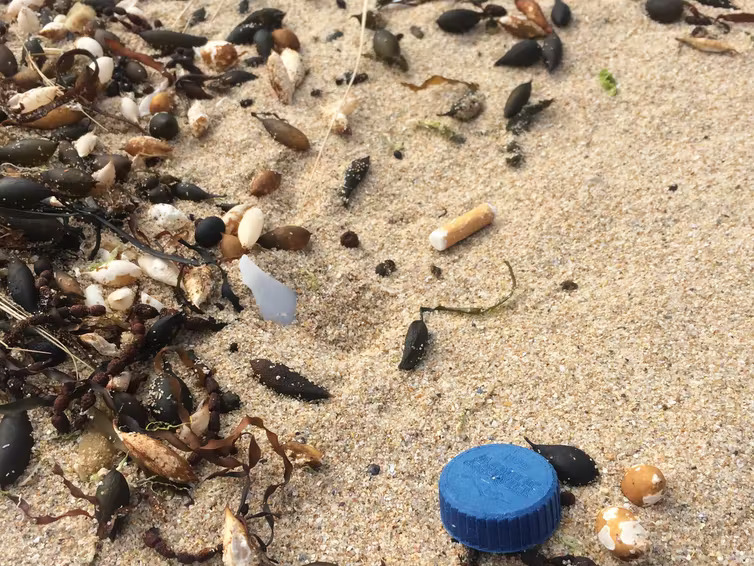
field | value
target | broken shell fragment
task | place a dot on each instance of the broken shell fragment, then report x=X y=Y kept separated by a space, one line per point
x=54 y=31
x=102 y=346
x=147 y=146
x=233 y=217
x=121 y=299
x=294 y=65
x=106 y=67
x=93 y=296
x=198 y=120
x=279 y=78
x=85 y=144
x=198 y=284
x=117 y=273
x=151 y=301
x=620 y=531
x=32 y=99
x=105 y=177
x=89 y=44
x=167 y=217
x=28 y=22
x=643 y=485
x=237 y=546
x=250 y=227
x=276 y=301
x=159 y=269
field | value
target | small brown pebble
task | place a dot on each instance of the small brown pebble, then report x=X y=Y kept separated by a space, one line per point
x=283 y=38
x=385 y=268
x=349 y=239
x=567 y=498
x=569 y=285
x=246 y=102
x=233 y=348
x=417 y=32
x=265 y=182
x=161 y=102
x=436 y=271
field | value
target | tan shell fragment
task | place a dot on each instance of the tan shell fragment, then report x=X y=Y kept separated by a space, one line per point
x=61 y=116
x=148 y=146
x=54 y=31
x=294 y=65
x=198 y=120
x=157 y=458
x=237 y=546
x=198 y=284
x=230 y=247
x=233 y=217
x=78 y=16
x=279 y=78
x=161 y=102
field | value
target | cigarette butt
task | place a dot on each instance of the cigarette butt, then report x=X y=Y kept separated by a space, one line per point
x=462 y=227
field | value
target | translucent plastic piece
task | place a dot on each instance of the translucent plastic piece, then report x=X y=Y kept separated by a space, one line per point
x=276 y=302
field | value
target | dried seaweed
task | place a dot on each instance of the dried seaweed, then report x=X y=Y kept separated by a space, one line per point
x=439 y=80
x=708 y=45
x=476 y=310
x=440 y=128
x=741 y=17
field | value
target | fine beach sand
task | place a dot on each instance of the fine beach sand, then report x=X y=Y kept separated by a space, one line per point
x=648 y=361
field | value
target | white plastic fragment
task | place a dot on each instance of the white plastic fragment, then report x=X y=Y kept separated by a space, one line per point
x=250 y=227
x=89 y=44
x=93 y=296
x=167 y=217
x=276 y=301
x=121 y=299
x=159 y=269
x=116 y=273
x=85 y=144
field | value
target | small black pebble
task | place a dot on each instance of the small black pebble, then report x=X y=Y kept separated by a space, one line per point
x=198 y=16
x=233 y=347
x=569 y=285
x=341 y=4
x=385 y=268
x=337 y=34
x=243 y=6
x=346 y=78
x=398 y=154
x=417 y=32
x=436 y=271
x=246 y=102
x=163 y=125
x=373 y=469
x=209 y=231
x=664 y=11
x=567 y=498
x=316 y=93
x=349 y=239
x=673 y=188
x=157 y=23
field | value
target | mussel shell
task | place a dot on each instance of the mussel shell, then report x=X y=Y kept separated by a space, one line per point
x=552 y=51
x=21 y=285
x=128 y=405
x=16 y=441
x=112 y=494
x=163 y=405
x=415 y=345
x=8 y=63
x=29 y=152
x=523 y=54
x=517 y=99
x=459 y=20
x=17 y=192
x=37 y=229
x=163 y=331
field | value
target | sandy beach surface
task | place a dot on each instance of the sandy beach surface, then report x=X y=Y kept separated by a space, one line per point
x=644 y=200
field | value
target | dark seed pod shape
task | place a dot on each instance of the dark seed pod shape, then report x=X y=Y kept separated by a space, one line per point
x=128 y=405
x=517 y=99
x=159 y=194
x=523 y=54
x=29 y=152
x=236 y=77
x=664 y=11
x=197 y=16
x=21 y=285
x=121 y=163
x=42 y=264
x=567 y=499
x=135 y=72
x=33 y=46
x=415 y=345
x=16 y=192
x=72 y=131
x=112 y=494
x=284 y=380
x=552 y=51
x=573 y=465
x=268 y=18
x=285 y=134
x=290 y=238
x=190 y=191
x=8 y=63
x=16 y=441
x=494 y=11
x=163 y=331
x=386 y=45
x=264 y=42
x=71 y=181
x=229 y=401
x=561 y=14
x=44 y=351
x=242 y=34
x=68 y=155
x=209 y=231
x=459 y=20
x=163 y=125
x=38 y=229
x=165 y=38
x=355 y=174
x=164 y=405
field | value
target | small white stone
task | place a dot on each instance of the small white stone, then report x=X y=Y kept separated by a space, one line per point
x=159 y=269
x=250 y=227
x=121 y=299
x=116 y=273
x=167 y=217
x=89 y=44
x=93 y=296
x=85 y=144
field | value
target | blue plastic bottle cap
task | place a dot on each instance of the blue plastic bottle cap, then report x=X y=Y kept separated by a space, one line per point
x=499 y=498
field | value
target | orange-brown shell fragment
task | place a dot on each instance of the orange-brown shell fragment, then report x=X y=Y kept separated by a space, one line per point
x=158 y=458
x=219 y=54
x=147 y=146
x=265 y=182
x=533 y=12
x=283 y=38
